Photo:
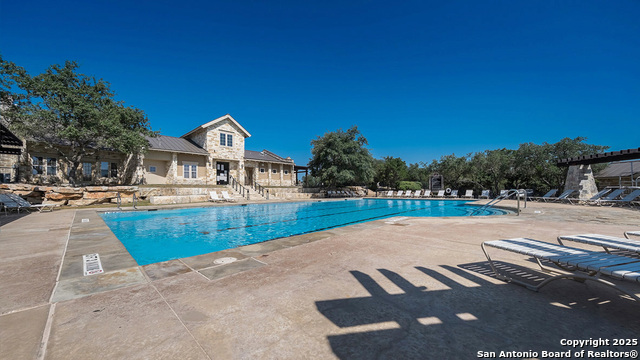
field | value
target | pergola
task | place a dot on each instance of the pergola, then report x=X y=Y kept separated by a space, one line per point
x=580 y=176
x=301 y=169
x=9 y=143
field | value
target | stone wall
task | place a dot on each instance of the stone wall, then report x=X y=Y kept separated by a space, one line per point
x=294 y=192
x=72 y=196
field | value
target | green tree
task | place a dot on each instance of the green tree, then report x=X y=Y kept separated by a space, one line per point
x=71 y=113
x=341 y=158
x=392 y=171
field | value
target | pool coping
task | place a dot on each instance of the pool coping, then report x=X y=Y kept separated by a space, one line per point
x=89 y=234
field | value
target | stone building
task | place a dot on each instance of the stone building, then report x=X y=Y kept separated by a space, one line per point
x=213 y=154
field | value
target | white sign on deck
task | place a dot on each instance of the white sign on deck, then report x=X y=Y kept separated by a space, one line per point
x=91 y=264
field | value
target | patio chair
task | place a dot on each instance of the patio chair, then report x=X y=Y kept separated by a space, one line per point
x=390 y=193
x=468 y=194
x=407 y=193
x=593 y=198
x=24 y=204
x=614 y=194
x=8 y=204
x=484 y=194
x=417 y=193
x=627 y=199
x=426 y=193
x=440 y=194
x=544 y=197
x=226 y=197
x=213 y=196
x=399 y=193
x=564 y=196
x=454 y=194
x=578 y=264
x=606 y=241
x=633 y=233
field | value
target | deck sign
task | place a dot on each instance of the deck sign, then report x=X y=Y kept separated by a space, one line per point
x=91 y=264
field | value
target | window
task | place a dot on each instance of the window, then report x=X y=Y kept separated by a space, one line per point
x=104 y=169
x=262 y=170
x=86 y=171
x=226 y=139
x=275 y=171
x=152 y=169
x=190 y=171
x=52 y=169
x=286 y=172
x=37 y=165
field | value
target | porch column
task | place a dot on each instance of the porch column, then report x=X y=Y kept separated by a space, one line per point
x=269 y=182
x=281 y=174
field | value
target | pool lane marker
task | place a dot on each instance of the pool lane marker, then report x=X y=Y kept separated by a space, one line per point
x=91 y=264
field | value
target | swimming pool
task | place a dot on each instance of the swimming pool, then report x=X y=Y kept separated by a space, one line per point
x=154 y=236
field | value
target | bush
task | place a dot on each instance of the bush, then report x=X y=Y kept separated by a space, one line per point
x=409 y=185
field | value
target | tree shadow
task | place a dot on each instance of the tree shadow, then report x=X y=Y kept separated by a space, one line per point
x=462 y=310
x=11 y=217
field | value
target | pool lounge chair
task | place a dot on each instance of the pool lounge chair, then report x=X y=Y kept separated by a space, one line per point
x=564 y=196
x=468 y=194
x=578 y=264
x=606 y=241
x=24 y=204
x=627 y=200
x=399 y=193
x=454 y=194
x=633 y=233
x=389 y=193
x=213 y=196
x=417 y=193
x=484 y=194
x=440 y=194
x=226 y=197
x=595 y=197
x=544 y=197
x=614 y=194
x=407 y=193
x=427 y=193
x=8 y=204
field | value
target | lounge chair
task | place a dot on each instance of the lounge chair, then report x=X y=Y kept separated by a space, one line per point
x=8 y=204
x=454 y=194
x=577 y=264
x=407 y=193
x=417 y=193
x=468 y=194
x=606 y=241
x=564 y=196
x=226 y=197
x=399 y=193
x=634 y=233
x=503 y=193
x=213 y=196
x=544 y=197
x=13 y=199
x=484 y=194
x=627 y=199
x=614 y=194
x=390 y=193
x=440 y=194
x=427 y=193
x=595 y=197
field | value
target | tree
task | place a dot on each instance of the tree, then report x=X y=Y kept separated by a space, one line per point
x=71 y=113
x=392 y=171
x=340 y=158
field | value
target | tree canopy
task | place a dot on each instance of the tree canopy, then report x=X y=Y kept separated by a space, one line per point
x=72 y=113
x=341 y=158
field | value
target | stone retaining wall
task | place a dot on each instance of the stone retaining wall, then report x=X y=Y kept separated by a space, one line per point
x=72 y=196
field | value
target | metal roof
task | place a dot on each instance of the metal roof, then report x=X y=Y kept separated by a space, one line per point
x=266 y=156
x=170 y=143
x=9 y=143
x=629 y=154
x=619 y=169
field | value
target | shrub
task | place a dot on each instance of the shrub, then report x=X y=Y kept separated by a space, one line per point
x=409 y=185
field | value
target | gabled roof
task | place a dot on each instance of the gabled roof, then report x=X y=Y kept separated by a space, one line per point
x=9 y=143
x=618 y=169
x=266 y=156
x=174 y=144
x=213 y=122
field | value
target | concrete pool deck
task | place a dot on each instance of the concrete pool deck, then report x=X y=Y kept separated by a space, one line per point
x=412 y=288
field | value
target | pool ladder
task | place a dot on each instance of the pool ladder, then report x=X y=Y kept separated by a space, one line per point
x=134 y=201
x=506 y=195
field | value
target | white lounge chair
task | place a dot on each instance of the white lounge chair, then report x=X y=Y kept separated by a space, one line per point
x=213 y=196
x=226 y=197
x=633 y=233
x=399 y=193
x=578 y=263
x=417 y=193
x=454 y=194
x=407 y=193
x=606 y=241
x=440 y=194
x=544 y=197
x=468 y=194
x=390 y=193
x=484 y=194
x=503 y=192
x=427 y=193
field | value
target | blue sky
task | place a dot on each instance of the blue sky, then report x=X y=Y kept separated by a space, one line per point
x=420 y=79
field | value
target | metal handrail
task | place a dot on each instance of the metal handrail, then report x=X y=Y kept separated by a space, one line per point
x=239 y=188
x=134 y=200
x=506 y=195
x=259 y=188
x=119 y=200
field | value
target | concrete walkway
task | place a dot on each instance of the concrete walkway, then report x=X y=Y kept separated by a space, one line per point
x=417 y=288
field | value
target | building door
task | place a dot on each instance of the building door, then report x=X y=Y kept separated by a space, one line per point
x=222 y=175
x=248 y=176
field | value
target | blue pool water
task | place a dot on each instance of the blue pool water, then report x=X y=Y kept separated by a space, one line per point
x=154 y=236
